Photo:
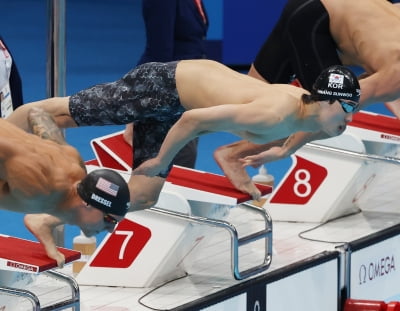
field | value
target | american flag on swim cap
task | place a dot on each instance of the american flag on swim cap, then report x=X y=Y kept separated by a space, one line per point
x=107 y=187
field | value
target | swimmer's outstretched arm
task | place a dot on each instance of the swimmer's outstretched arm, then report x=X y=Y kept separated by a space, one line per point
x=293 y=143
x=41 y=226
x=196 y=122
x=43 y=125
x=57 y=107
x=380 y=87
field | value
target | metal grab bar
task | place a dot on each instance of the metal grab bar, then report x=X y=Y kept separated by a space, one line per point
x=354 y=154
x=33 y=299
x=74 y=302
x=236 y=242
x=75 y=294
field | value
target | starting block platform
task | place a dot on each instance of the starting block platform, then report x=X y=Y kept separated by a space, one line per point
x=112 y=151
x=149 y=247
x=188 y=202
x=353 y=256
x=201 y=186
x=20 y=258
x=330 y=177
x=29 y=256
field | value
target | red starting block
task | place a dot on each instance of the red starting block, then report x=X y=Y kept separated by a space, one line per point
x=19 y=259
x=112 y=151
x=207 y=187
x=139 y=253
x=329 y=178
x=384 y=125
x=370 y=305
x=29 y=256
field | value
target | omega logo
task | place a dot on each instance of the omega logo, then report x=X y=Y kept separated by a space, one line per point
x=257 y=306
x=377 y=269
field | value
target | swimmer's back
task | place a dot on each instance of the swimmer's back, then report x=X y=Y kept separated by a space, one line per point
x=205 y=83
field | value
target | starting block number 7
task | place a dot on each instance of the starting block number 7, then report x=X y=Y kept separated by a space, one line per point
x=128 y=235
x=123 y=246
x=301 y=183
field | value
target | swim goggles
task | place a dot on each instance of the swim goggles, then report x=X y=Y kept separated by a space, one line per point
x=349 y=105
x=109 y=219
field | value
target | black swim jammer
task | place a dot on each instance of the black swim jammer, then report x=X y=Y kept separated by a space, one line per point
x=301 y=43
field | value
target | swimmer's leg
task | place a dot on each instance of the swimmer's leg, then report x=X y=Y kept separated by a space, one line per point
x=43 y=125
x=394 y=107
x=228 y=157
x=128 y=133
x=144 y=191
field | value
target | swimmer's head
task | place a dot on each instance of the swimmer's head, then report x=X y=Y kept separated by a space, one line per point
x=105 y=190
x=337 y=83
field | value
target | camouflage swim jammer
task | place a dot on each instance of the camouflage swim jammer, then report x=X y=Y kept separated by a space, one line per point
x=146 y=95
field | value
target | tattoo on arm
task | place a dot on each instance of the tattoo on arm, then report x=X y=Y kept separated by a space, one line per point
x=44 y=126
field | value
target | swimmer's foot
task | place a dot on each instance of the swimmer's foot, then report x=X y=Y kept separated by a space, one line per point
x=128 y=134
x=394 y=107
x=248 y=187
x=235 y=172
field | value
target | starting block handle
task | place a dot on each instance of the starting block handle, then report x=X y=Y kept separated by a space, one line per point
x=236 y=242
x=353 y=154
x=31 y=297
x=265 y=234
x=75 y=293
x=73 y=302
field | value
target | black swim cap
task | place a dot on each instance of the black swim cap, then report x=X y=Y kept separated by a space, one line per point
x=106 y=190
x=337 y=82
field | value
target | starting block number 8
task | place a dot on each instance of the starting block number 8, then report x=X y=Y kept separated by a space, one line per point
x=305 y=182
x=301 y=183
x=123 y=246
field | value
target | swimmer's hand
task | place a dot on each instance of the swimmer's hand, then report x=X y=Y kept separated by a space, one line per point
x=270 y=155
x=41 y=226
x=149 y=168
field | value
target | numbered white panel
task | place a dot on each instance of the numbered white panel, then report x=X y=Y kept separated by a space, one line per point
x=145 y=249
x=320 y=186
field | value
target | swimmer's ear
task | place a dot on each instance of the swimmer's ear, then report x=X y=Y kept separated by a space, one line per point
x=86 y=205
